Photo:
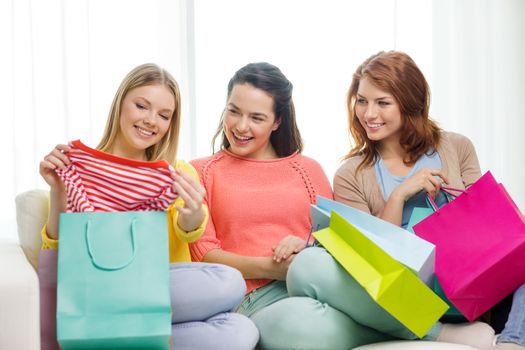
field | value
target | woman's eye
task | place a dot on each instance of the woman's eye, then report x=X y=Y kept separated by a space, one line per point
x=165 y=117
x=140 y=106
x=384 y=103
x=257 y=119
x=233 y=111
x=361 y=101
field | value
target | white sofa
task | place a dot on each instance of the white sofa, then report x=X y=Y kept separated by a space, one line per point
x=19 y=295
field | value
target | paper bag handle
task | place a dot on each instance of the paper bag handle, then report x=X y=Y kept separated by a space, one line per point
x=447 y=190
x=111 y=268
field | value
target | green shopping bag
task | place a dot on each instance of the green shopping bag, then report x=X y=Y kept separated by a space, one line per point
x=388 y=282
x=453 y=315
x=113 y=281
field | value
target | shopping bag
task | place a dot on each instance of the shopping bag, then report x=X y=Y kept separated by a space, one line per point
x=453 y=314
x=479 y=238
x=388 y=282
x=412 y=251
x=113 y=281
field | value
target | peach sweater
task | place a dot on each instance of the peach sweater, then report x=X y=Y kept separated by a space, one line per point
x=253 y=204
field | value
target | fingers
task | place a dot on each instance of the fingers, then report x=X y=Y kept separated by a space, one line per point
x=56 y=158
x=191 y=191
x=436 y=172
x=288 y=246
x=435 y=179
x=435 y=186
x=282 y=252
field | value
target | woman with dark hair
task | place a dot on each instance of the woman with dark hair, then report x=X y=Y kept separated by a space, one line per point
x=259 y=189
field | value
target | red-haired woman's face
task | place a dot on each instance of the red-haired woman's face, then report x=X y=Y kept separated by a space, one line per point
x=378 y=112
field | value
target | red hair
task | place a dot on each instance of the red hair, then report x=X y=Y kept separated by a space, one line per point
x=396 y=73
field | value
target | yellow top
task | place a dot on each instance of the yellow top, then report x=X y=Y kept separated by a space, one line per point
x=178 y=238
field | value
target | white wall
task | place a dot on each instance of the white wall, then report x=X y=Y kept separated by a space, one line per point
x=62 y=61
x=479 y=85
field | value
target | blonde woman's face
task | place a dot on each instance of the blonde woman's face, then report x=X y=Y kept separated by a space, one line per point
x=378 y=112
x=145 y=118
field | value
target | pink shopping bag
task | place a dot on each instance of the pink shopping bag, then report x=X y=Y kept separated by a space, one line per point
x=480 y=246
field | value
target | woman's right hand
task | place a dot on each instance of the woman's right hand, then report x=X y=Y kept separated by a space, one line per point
x=280 y=269
x=428 y=180
x=56 y=159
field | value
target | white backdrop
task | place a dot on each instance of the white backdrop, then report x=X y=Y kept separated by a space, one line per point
x=62 y=61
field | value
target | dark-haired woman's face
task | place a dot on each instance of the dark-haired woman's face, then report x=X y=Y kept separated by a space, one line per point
x=378 y=112
x=249 y=121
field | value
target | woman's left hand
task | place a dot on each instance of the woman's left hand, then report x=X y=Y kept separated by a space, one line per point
x=287 y=246
x=192 y=192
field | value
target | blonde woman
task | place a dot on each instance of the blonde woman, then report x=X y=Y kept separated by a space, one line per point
x=143 y=126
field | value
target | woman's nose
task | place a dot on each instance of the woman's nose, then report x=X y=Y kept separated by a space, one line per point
x=149 y=120
x=371 y=111
x=242 y=124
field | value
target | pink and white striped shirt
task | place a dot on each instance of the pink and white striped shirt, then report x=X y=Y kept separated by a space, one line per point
x=99 y=181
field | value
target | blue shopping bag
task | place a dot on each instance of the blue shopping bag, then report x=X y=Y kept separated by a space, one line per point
x=415 y=253
x=113 y=281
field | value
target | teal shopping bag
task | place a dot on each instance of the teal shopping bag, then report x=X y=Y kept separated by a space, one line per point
x=113 y=281
x=453 y=315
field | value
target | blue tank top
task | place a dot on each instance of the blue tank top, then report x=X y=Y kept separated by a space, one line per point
x=388 y=182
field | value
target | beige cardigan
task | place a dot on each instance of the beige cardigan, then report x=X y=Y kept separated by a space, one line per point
x=459 y=163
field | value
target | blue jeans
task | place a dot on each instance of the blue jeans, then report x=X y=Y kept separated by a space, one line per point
x=514 y=331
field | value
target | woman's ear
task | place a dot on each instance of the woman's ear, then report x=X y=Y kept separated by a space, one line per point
x=276 y=125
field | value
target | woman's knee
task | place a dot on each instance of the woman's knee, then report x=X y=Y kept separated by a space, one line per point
x=230 y=287
x=308 y=271
x=224 y=331
x=305 y=323
x=201 y=290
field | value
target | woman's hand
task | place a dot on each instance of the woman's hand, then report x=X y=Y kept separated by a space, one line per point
x=428 y=180
x=288 y=246
x=192 y=192
x=279 y=269
x=56 y=159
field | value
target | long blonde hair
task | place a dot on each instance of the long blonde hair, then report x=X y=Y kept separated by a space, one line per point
x=145 y=74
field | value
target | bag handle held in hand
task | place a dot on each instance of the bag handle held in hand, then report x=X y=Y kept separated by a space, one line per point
x=447 y=190
x=111 y=268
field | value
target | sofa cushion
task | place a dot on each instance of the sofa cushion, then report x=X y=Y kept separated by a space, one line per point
x=31 y=214
x=413 y=345
x=19 y=321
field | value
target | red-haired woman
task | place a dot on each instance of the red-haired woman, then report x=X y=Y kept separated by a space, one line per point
x=398 y=157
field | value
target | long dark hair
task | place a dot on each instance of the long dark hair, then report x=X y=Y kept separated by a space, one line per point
x=396 y=73
x=286 y=140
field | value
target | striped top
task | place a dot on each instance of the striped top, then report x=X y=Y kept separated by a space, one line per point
x=99 y=181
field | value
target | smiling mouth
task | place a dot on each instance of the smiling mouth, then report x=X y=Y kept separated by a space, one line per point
x=374 y=125
x=144 y=132
x=242 y=138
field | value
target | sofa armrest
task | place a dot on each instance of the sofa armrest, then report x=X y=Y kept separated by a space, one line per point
x=19 y=299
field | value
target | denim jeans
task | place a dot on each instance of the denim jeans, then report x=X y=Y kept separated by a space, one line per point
x=514 y=331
